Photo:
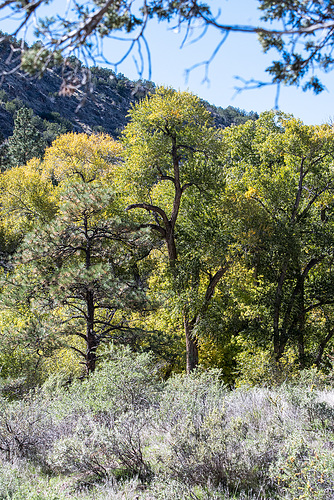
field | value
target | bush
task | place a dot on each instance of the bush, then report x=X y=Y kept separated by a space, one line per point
x=303 y=471
x=258 y=367
x=27 y=429
x=109 y=412
x=97 y=450
x=125 y=382
x=227 y=440
x=123 y=433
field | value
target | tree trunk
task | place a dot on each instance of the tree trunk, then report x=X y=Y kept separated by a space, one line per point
x=191 y=345
x=91 y=355
x=301 y=328
x=278 y=347
x=322 y=346
x=171 y=247
x=92 y=341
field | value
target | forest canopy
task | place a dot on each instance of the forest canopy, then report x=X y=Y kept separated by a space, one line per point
x=206 y=246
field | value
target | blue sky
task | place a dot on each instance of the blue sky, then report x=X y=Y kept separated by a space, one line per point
x=241 y=55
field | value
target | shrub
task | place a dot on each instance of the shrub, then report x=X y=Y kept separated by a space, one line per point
x=224 y=444
x=125 y=434
x=27 y=429
x=107 y=414
x=303 y=471
x=125 y=382
x=101 y=451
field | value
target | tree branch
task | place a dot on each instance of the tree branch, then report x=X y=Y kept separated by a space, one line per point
x=150 y=208
x=325 y=25
x=155 y=227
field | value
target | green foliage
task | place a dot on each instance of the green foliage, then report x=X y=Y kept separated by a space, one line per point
x=26 y=142
x=123 y=382
x=233 y=116
x=13 y=106
x=228 y=232
x=303 y=472
x=258 y=367
x=37 y=58
x=77 y=268
x=154 y=124
x=315 y=50
x=281 y=184
x=173 y=171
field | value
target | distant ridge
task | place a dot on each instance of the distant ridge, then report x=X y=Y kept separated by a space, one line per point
x=104 y=110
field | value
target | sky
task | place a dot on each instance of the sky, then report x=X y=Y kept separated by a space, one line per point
x=240 y=57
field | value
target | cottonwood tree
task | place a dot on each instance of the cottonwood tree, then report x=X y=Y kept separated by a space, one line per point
x=285 y=171
x=83 y=157
x=29 y=193
x=173 y=162
x=28 y=198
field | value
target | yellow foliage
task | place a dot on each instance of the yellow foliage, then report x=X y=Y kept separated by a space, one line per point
x=82 y=156
x=251 y=192
x=257 y=366
x=26 y=196
x=213 y=354
x=65 y=360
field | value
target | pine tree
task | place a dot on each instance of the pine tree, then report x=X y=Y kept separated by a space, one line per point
x=76 y=273
x=26 y=141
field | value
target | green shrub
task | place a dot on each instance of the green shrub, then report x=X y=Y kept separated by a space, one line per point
x=124 y=382
x=303 y=471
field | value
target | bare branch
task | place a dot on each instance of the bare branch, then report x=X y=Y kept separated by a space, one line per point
x=155 y=227
x=150 y=208
x=77 y=350
x=325 y=25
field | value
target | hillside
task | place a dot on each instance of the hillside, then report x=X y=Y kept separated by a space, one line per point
x=103 y=110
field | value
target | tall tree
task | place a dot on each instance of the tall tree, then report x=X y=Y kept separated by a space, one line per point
x=26 y=141
x=285 y=171
x=78 y=269
x=172 y=160
x=75 y=267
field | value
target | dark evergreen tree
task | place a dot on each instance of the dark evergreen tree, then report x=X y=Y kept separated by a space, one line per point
x=76 y=273
x=4 y=160
x=26 y=142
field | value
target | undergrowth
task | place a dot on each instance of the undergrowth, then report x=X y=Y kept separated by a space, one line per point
x=125 y=434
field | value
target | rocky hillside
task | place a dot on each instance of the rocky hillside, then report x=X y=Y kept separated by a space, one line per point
x=104 y=110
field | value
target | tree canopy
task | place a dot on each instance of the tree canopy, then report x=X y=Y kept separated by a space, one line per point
x=182 y=238
x=285 y=172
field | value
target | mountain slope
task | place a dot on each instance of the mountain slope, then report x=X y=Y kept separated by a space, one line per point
x=103 y=110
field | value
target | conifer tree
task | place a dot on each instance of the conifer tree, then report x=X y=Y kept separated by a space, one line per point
x=26 y=141
x=75 y=273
